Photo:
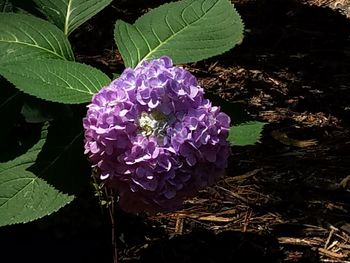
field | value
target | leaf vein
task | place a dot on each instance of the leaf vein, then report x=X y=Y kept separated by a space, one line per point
x=178 y=32
x=24 y=187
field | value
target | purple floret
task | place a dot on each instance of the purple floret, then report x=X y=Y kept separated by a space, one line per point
x=153 y=137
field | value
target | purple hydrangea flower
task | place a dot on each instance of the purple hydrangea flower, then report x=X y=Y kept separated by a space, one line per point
x=153 y=137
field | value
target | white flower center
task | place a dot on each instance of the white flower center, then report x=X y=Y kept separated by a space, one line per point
x=152 y=124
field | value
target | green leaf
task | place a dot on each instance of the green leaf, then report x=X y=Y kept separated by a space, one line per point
x=19 y=6
x=56 y=80
x=187 y=31
x=62 y=162
x=70 y=14
x=23 y=195
x=11 y=101
x=24 y=37
x=247 y=133
x=5 y=6
x=35 y=113
x=235 y=110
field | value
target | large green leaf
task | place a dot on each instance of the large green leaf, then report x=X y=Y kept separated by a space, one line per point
x=187 y=31
x=11 y=101
x=23 y=195
x=69 y=14
x=25 y=37
x=19 y=6
x=247 y=133
x=62 y=162
x=55 y=80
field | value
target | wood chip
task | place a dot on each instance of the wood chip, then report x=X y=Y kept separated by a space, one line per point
x=300 y=241
x=283 y=138
x=214 y=218
x=331 y=253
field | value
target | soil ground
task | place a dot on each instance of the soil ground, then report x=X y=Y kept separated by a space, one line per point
x=285 y=199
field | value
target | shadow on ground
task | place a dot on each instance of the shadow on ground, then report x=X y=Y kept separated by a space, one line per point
x=206 y=247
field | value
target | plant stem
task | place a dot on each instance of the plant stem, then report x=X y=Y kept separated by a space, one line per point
x=111 y=209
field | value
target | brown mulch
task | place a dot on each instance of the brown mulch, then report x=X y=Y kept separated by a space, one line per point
x=285 y=199
x=343 y=6
x=293 y=188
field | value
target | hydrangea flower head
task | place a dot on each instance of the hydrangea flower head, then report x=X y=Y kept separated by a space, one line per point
x=154 y=138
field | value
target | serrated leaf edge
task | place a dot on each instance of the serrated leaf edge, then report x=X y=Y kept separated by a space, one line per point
x=130 y=63
x=246 y=123
x=70 y=199
x=36 y=149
